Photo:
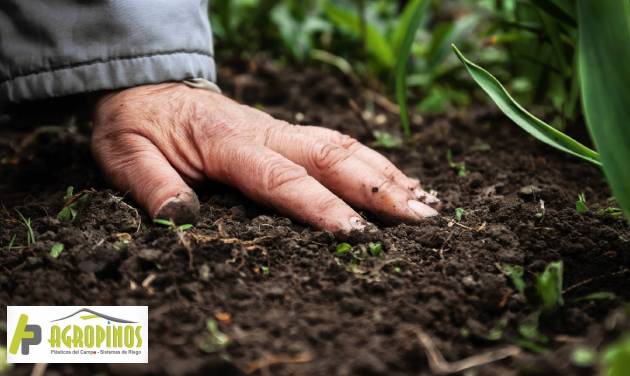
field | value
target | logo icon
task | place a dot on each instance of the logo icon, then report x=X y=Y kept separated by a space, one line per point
x=25 y=335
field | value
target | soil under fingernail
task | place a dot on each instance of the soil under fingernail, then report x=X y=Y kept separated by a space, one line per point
x=181 y=209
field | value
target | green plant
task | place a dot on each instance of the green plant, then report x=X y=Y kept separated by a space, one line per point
x=515 y=273
x=265 y=270
x=376 y=249
x=72 y=204
x=460 y=167
x=11 y=242
x=214 y=340
x=30 y=235
x=616 y=358
x=549 y=286
x=584 y=356
x=171 y=225
x=459 y=214
x=342 y=249
x=603 y=30
x=580 y=204
x=56 y=250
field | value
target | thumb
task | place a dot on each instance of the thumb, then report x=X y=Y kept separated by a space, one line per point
x=135 y=165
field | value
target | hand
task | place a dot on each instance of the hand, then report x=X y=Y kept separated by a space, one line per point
x=153 y=141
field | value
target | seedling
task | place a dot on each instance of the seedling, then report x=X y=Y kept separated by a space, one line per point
x=460 y=167
x=30 y=235
x=531 y=338
x=342 y=249
x=580 y=204
x=584 y=356
x=601 y=295
x=549 y=287
x=72 y=204
x=265 y=270
x=612 y=211
x=515 y=273
x=56 y=250
x=11 y=242
x=376 y=249
x=215 y=340
x=541 y=214
x=171 y=225
x=386 y=140
x=459 y=214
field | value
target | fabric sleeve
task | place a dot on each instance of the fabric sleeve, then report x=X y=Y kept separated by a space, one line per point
x=58 y=48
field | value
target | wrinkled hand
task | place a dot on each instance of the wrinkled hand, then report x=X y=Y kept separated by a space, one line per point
x=153 y=141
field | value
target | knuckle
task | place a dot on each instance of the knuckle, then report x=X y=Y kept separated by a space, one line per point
x=278 y=174
x=328 y=156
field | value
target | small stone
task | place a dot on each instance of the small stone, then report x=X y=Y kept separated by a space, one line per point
x=529 y=190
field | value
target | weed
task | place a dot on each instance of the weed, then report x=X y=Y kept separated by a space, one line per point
x=459 y=214
x=376 y=249
x=611 y=211
x=30 y=235
x=172 y=226
x=515 y=273
x=580 y=204
x=56 y=250
x=460 y=167
x=215 y=340
x=549 y=287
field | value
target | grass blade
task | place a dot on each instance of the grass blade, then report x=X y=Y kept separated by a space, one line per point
x=531 y=124
x=417 y=13
x=555 y=11
x=604 y=51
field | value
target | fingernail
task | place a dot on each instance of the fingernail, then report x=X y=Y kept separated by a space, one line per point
x=421 y=209
x=357 y=223
x=425 y=197
x=181 y=209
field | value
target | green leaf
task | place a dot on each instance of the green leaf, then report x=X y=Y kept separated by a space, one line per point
x=376 y=249
x=580 y=204
x=375 y=43
x=616 y=357
x=56 y=250
x=601 y=295
x=185 y=227
x=584 y=356
x=417 y=13
x=386 y=140
x=515 y=273
x=342 y=249
x=556 y=12
x=164 y=222
x=531 y=124
x=603 y=53
x=459 y=213
x=549 y=286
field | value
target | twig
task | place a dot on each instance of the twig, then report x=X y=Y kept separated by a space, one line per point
x=589 y=280
x=440 y=366
x=271 y=359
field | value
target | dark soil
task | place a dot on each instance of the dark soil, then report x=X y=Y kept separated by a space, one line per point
x=276 y=288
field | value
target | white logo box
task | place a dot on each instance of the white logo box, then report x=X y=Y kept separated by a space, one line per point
x=77 y=334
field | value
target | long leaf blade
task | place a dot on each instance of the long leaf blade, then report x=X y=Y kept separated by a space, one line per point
x=604 y=52
x=417 y=14
x=531 y=124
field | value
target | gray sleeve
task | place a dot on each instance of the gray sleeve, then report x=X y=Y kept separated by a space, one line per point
x=57 y=48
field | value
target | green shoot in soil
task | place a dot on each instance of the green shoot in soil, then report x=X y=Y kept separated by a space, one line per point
x=584 y=356
x=342 y=249
x=171 y=225
x=515 y=273
x=11 y=242
x=386 y=140
x=56 y=250
x=459 y=214
x=460 y=167
x=376 y=249
x=580 y=204
x=215 y=340
x=549 y=287
x=72 y=204
x=265 y=270
x=616 y=358
x=30 y=235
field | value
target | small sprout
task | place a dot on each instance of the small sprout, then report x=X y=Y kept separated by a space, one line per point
x=215 y=340
x=386 y=140
x=265 y=270
x=541 y=214
x=515 y=273
x=397 y=269
x=496 y=333
x=583 y=356
x=56 y=250
x=611 y=211
x=342 y=249
x=11 y=242
x=549 y=286
x=459 y=213
x=171 y=225
x=376 y=249
x=528 y=329
x=30 y=235
x=460 y=167
x=72 y=204
x=4 y=365
x=580 y=204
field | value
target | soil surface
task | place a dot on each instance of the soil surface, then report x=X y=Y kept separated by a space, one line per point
x=288 y=304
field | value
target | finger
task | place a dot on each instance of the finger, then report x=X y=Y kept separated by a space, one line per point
x=137 y=166
x=269 y=178
x=374 y=159
x=347 y=175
